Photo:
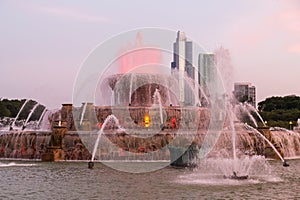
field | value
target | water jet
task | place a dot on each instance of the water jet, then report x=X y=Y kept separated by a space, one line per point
x=285 y=164
x=90 y=164
x=237 y=177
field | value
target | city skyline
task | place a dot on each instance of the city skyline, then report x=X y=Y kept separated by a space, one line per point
x=44 y=44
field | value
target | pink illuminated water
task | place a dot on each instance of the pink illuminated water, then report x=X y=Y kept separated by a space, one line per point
x=137 y=55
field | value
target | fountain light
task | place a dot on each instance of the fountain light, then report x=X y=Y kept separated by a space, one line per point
x=173 y=121
x=147 y=120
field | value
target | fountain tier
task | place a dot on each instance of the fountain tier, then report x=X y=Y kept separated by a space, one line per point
x=137 y=89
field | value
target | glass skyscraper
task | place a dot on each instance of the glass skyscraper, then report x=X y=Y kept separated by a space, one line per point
x=183 y=64
x=206 y=68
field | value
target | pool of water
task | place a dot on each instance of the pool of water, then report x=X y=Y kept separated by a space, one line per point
x=73 y=180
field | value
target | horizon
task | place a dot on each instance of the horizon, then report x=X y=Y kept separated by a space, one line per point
x=44 y=44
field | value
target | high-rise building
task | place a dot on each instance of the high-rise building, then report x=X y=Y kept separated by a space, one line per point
x=245 y=92
x=206 y=71
x=183 y=63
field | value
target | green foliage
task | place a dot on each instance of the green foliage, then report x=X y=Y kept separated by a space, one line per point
x=280 y=111
x=275 y=103
x=4 y=111
x=10 y=108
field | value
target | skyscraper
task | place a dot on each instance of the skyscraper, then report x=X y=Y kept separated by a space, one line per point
x=183 y=63
x=245 y=92
x=206 y=71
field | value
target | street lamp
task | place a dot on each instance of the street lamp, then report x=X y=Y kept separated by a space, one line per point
x=291 y=124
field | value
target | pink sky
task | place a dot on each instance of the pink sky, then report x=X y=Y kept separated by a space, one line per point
x=44 y=44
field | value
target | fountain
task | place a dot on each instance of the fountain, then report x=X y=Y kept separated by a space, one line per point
x=251 y=108
x=137 y=89
x=24 y=104
x=29 y=115
x=273 y=147
x=242 y=109
x=233 y=145
x=110 y=117
x=247 y=108
x=83 y=112
x=157 y=101
x=41 y=117
x=149 y=124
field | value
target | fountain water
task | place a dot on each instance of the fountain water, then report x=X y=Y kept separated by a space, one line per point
x=29 y=115
x=23 y=144
x=223 y=158
x=100 y=132
x=46 y=120
x=24 y=104
x=83 y=112
x=271 y=145
x=137 y=89
x=41 y=117
x=130 y=88
x=219 y=171
x=237 y=167
x=157 y=100
x=256 y=112
x=288 y=140
x=233 y=140
x=241 y=109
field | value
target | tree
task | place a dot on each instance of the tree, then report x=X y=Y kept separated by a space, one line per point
x=4 y=112
x=280 y=111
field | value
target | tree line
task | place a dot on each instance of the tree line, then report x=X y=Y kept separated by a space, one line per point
x=276 y=111
x=10 y=108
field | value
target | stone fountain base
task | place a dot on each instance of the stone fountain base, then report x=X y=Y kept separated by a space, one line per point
x=65 y=143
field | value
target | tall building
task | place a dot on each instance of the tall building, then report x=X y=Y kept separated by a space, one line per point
x=183 y=63
x=206 y=71
x=245 y=92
